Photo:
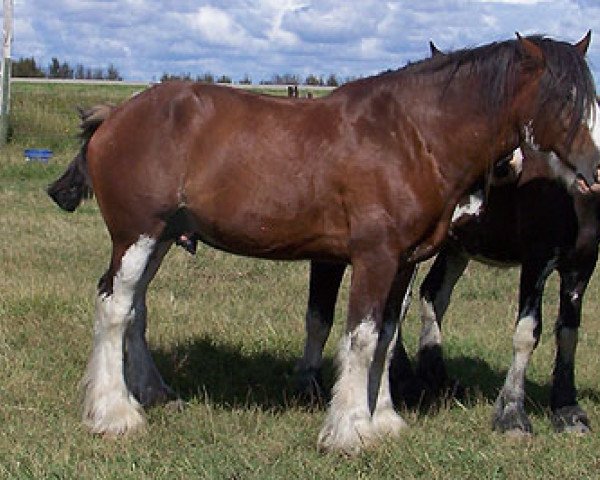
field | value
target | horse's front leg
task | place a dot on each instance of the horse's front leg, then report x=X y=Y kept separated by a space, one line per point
x=359 y=394
x=509 y=415
x=567 y=415
x=325 y=279
x=575 y=271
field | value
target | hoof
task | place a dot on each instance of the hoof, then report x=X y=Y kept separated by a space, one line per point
x=431 y=370
x=309 y=388
x=347 y=435
x=115 y=418
x=517 y=435
x=175 y=406
x=455 y=390
x=155 y=396
x=387 y=423
x=512 y=420
x=571 y=419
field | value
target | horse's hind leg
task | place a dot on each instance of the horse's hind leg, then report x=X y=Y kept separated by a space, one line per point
x=567 y=415
x=435 y=294
x=325 y=279
x=141 y=374
x=108 y=407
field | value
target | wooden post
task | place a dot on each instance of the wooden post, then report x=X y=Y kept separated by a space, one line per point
x=6 y=70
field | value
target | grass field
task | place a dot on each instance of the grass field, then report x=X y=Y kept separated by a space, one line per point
x=225 y=332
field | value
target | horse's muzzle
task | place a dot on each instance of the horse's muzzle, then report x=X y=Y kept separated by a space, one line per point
x=588 y=180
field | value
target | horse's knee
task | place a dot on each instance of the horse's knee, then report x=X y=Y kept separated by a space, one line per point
x=526 y=335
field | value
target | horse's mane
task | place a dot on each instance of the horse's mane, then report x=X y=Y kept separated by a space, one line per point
x=497 y=66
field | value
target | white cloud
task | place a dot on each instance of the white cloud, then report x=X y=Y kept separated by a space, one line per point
x=216 y=26
x=145 y=38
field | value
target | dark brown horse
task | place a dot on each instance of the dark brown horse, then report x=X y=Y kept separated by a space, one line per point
x=368 y=176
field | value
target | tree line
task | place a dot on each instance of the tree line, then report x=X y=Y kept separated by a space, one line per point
x=29 y=68
x=277 y=79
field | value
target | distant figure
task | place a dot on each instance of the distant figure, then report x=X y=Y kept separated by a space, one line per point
x=309 y=95
x=188 y=241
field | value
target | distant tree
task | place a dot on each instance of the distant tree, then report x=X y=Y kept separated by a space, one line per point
x=169 y=76
x=206 y=78
x=313 y=80
x=59 y=70
x=65 y=70
x=98 y=74
x=224 y=79
x=351 y=79
x=285 y=79
x=332 y=81
x=54 y=68
x=112 y=73
x=26 y=67
x=245 y=80
x=79 y=71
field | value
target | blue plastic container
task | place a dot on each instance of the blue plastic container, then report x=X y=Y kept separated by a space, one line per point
x=37 y=155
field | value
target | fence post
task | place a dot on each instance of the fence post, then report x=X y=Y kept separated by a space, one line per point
x=6 y=70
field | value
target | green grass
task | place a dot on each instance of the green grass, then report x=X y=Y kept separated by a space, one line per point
x=225 y=332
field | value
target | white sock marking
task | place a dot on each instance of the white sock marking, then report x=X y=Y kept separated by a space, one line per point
x=108 y=406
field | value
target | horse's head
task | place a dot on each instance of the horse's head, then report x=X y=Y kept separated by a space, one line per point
x=557 y=104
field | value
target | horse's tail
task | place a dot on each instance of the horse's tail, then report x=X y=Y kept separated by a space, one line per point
x=74 y=184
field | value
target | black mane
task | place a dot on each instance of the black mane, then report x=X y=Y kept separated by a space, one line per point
x=498 y=64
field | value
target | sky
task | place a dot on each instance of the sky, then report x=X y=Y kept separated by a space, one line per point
x=146 y=38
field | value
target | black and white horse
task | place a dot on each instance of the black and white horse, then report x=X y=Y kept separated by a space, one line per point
x=537 y=222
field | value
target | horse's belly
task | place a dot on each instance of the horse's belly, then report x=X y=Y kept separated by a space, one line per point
x=285 y=237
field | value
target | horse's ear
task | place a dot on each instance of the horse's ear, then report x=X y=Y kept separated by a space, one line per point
x=583 y=44
x=530 y=49
x=434 y=50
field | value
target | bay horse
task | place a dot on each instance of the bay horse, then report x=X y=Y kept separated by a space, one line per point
x=541 y=225
x=367 y=176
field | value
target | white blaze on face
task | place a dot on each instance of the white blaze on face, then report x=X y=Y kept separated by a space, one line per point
x=594 y=125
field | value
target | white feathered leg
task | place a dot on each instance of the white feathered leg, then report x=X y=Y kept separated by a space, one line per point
x=348 y=427
x=108 y=407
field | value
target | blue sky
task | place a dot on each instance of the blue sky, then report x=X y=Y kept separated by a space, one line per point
x=146 y=38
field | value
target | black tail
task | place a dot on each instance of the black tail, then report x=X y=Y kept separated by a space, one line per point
x=74 y=185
